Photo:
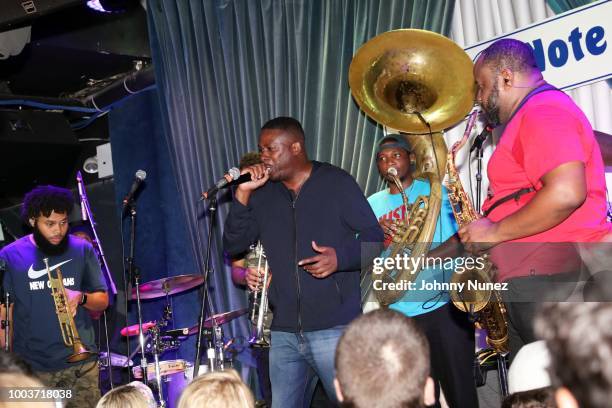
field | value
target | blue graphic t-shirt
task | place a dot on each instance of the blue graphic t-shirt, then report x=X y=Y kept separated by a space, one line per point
x=36 y=332
x=391 y=206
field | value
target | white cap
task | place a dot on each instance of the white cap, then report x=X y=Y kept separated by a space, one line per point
x=529 y=370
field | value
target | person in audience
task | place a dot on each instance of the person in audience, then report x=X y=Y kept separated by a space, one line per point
x=132 y=395
x=382 y=360
x=536 y=398
x=14 y=374
x=578 y=336
x=218 y=389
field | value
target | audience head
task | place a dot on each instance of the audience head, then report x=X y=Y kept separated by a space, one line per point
x=529 y=369
x=536 y=398
x=382 y=360
x=219 y=389
x=579 y=339
x=15 y=373
x=133 y=395
x=11 y=363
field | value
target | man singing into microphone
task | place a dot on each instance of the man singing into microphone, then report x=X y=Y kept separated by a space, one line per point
x=547 y=186
x=312 y=219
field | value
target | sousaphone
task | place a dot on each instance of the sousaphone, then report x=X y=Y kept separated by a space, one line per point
x=419 y=83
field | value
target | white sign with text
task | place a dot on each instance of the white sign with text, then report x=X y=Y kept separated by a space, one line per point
x=572 y=49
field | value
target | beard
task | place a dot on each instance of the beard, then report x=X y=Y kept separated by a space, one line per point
x=47 y=247
x=492 y=108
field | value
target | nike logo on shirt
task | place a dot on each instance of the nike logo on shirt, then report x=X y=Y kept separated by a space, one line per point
x=34 y=274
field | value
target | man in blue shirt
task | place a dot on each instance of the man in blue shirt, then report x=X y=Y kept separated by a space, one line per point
x=450 y=335
x=36 y=334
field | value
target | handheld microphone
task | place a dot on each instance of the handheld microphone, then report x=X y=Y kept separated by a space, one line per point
x=232 y=178
x=479 y=140
x=139 y=178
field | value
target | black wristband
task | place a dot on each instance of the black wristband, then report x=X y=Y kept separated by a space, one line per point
x=83 y=299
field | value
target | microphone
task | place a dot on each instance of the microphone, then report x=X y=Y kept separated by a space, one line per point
x=81 y=195
x=479 y=140
x=139 y=178
x=232 y=178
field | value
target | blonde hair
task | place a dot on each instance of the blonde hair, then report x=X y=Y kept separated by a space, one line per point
x=133 y=395
x=219 y=389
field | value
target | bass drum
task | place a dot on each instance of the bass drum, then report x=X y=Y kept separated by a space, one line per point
x=175 y=375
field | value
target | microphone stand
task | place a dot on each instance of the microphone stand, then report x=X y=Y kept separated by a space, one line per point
x=479 y=152
x=87 y=216
x=134 y=275
x=6 y=322
x=205 y=296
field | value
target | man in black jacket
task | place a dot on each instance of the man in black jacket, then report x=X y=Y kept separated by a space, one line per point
x=312 y=220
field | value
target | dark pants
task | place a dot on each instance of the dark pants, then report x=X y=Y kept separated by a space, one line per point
x=451 y=349
x=262 y=357
x=523 y=298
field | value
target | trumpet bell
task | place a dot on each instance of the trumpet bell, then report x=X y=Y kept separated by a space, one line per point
x=401 y=72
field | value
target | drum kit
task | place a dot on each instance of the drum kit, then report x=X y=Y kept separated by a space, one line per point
x=169 y=377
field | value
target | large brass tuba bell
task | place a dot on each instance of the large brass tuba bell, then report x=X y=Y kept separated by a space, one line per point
x=401 y=72
x=416 y=82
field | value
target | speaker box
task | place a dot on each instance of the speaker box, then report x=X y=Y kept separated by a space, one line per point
x=15 y=12
x=36 y=148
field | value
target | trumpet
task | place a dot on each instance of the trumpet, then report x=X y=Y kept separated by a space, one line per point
x=257 y=259
x=68 y=328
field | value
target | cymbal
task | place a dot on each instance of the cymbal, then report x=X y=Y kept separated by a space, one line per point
x=168 y=286
x=220 y=318
x=133 y=329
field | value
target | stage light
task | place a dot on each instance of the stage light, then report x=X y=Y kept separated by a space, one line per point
x=91 y=165
x=108 y=6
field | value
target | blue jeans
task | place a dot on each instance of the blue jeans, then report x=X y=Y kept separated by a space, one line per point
x=293 y=357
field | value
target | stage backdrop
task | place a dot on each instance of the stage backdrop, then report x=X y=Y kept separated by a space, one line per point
x=223 y=68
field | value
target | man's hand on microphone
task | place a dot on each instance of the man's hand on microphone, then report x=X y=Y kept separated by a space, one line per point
x=259 y=176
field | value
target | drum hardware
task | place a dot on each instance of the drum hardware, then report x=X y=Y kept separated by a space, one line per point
x=116 y=360
x=158 y=340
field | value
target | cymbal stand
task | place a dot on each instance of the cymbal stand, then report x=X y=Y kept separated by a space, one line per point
x=157 y=350
x=219 y=346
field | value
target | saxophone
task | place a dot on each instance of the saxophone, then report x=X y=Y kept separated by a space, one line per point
x=68 y=328
x=486 y=304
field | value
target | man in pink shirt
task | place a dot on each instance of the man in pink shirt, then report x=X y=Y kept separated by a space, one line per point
x=547 y=186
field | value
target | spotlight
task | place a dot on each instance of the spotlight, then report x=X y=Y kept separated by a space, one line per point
x=108 y=6
x=91 y=165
